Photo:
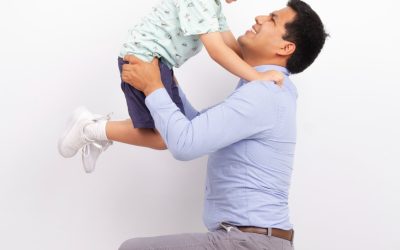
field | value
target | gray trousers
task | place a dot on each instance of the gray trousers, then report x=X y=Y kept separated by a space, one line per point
x=217 y=240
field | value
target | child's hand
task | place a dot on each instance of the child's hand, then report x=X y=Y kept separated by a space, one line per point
x=273 y=75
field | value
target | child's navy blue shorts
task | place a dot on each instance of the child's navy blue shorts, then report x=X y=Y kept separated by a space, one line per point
x=139 y=113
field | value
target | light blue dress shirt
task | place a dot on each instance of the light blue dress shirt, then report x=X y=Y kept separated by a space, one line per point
x=250 y=138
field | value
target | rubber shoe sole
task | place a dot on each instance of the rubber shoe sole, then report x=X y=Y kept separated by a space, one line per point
x=72 y=124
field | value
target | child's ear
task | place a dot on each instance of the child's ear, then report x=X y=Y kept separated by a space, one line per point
x=287 y=49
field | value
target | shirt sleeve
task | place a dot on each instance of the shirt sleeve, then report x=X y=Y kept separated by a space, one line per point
x=200 y=16
x=190 y=112
x=223 y=25
x=246 y=113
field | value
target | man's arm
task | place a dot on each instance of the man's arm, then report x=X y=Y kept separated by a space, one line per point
x=244 y=114
x=249 y=111
x=190 y=112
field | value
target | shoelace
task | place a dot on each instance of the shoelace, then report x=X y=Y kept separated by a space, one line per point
x=85 y=148
x=102 y=148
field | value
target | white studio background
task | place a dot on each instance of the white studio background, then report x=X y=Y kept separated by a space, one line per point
x=57 y=55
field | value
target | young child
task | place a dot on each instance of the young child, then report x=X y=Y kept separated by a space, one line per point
x=173 y=32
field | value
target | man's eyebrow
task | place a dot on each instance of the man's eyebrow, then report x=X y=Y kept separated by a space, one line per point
x=273 y=15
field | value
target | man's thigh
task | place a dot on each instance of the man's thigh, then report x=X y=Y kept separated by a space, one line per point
x=180 y=241
x=218 y=240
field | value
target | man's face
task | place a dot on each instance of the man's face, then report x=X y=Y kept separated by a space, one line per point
x=265 y=36
x=230 y=1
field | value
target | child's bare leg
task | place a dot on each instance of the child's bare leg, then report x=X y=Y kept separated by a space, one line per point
x=123 y=131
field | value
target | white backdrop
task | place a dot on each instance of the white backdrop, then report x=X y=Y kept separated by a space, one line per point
x=56 y=55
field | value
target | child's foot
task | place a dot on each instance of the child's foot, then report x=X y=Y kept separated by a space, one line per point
x=74 y=137
x=91 y=152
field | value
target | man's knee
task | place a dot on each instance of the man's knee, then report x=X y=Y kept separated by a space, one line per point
x=124 y=245
x=133 y=244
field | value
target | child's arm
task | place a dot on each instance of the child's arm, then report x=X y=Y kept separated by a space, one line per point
x=231 y=42
x=227 y=58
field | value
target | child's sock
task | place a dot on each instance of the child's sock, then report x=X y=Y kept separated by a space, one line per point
x=96 y=131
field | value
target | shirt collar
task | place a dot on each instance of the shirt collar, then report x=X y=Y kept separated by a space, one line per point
x=262 y=68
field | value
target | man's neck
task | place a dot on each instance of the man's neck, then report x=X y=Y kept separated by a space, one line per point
x=257 y=61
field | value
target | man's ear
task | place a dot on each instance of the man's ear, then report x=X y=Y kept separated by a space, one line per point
x=287 y=49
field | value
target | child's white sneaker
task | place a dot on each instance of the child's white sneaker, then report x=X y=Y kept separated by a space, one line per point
x=74 y=138
x=91 y=152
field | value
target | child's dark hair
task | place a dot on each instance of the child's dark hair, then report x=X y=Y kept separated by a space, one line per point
x=307 y=32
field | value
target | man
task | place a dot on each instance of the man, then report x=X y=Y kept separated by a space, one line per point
x=250 y=137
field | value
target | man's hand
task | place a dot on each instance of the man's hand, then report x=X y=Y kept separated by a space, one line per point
x=142 y=75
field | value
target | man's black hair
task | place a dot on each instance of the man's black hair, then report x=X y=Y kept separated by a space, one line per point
x=307 y=32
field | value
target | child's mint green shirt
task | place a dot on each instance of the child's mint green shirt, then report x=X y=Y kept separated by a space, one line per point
x=172 y=30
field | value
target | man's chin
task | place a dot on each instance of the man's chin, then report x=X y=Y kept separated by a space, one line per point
x=242 y=40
